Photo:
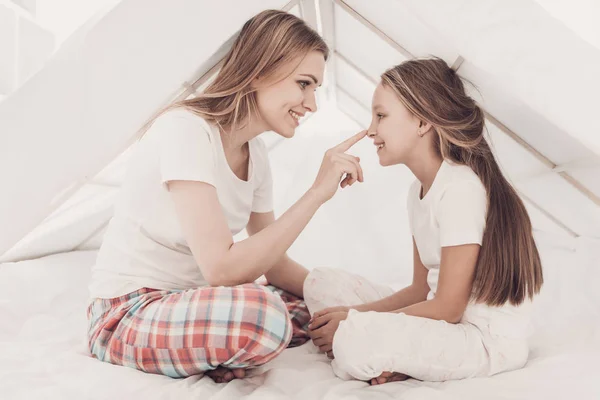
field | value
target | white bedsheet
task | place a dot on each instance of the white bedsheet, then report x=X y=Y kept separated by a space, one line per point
x=43 y=355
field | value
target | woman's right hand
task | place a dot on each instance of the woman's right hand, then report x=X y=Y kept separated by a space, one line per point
x=336 y=163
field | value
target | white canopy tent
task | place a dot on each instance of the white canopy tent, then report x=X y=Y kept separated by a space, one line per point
x=66 y=134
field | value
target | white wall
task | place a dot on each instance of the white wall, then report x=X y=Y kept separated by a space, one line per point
x=31 y=31
x=25 y=44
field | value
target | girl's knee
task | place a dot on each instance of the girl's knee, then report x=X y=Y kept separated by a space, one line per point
x=317 y=285
x=359 y=347
x=347 y=348
x=352 y=359
x=319 y=275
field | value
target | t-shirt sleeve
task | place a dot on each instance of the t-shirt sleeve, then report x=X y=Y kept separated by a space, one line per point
x=185 y=148
x=461 y=214
x=263 y=193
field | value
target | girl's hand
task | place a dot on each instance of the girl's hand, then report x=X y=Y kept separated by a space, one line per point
x=326 y=311
x=322 y=330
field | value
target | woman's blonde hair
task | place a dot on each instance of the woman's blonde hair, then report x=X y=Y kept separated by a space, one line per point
x=265 y=47
x=509 y=267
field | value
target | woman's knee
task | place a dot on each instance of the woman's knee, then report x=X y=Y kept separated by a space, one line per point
x=268 y=327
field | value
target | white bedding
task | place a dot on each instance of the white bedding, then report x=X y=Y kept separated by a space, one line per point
x=43 y=355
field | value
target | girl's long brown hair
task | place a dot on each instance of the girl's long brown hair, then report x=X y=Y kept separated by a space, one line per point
x=508 y=267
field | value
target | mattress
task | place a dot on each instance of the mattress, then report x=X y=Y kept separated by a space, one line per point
x=43 y=355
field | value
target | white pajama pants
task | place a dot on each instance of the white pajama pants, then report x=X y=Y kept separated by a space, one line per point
x=369 y=343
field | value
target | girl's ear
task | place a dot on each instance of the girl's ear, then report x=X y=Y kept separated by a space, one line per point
x=255 y=83
x=424 y=127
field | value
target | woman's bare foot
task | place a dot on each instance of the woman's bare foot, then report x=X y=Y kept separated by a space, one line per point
x=388 y=377
x=224 y=375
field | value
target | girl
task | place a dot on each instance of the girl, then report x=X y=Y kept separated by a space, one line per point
x=172 y=293
x=476 y=265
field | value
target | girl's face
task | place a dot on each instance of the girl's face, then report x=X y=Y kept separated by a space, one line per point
x=394 y=129
x=283 y=103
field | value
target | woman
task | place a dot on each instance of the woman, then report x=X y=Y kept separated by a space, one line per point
x=172 y=293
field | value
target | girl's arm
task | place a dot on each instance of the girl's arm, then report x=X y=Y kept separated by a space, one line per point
x=414 y=293
x=457 y=269
x=286 y=274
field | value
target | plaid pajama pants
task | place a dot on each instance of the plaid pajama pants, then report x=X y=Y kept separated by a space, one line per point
x=184 y=333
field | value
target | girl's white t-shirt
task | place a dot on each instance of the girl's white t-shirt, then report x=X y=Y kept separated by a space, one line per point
x=453 y=212
x=144 y=245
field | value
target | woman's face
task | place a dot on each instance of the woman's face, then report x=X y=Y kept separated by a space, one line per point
x=283 y=103
x=394 y=129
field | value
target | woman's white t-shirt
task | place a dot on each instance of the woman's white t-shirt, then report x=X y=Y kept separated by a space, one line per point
x=144 y=245
x=453 y=212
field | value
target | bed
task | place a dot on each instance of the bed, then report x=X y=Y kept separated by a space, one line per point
x=43 y=355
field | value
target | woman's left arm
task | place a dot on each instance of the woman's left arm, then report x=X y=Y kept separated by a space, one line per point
x=455 y=283
x=286 y=274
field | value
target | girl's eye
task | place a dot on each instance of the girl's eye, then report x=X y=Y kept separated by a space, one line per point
x=379 y=116
x=303 y=84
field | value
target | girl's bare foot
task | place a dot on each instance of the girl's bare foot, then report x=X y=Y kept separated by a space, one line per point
x=224 y=375
x=388 y=377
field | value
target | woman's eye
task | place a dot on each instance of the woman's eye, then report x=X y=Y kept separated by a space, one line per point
x=379 y=116
x=303 y=84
